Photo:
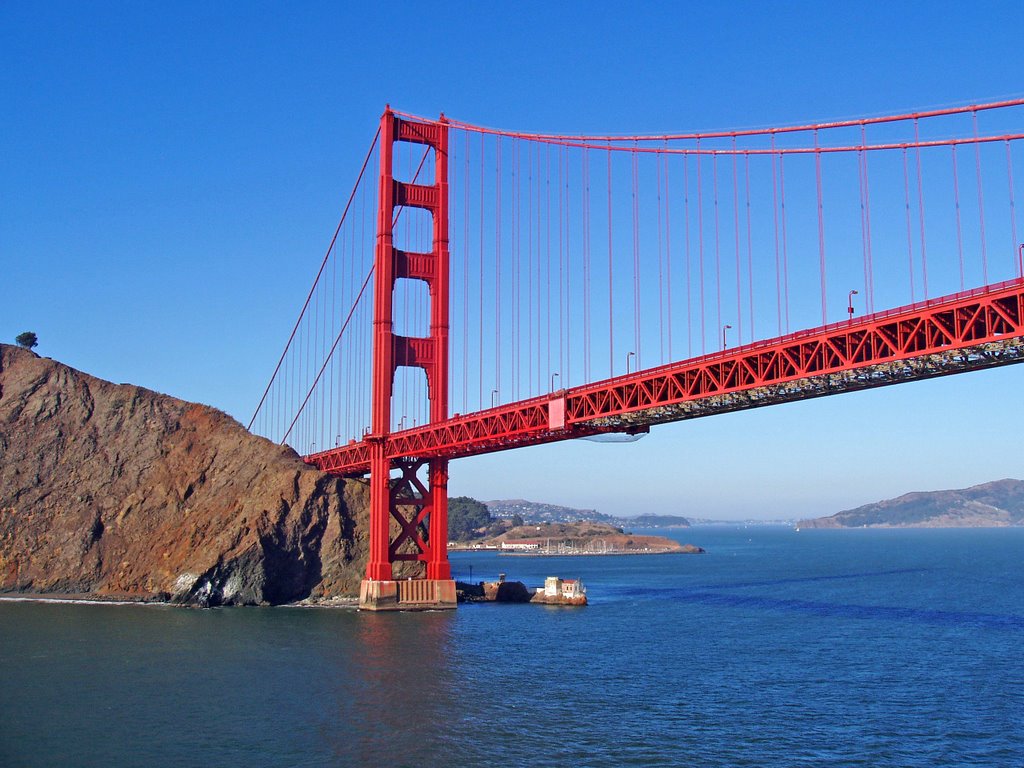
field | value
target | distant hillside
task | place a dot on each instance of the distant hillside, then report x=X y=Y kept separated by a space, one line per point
x=534 y=512
x=539 y=513
x=995 y=504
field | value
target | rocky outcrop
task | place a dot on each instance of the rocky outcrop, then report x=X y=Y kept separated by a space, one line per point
x=996 y=504
x=115 y=490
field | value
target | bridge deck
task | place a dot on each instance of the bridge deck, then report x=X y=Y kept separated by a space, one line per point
x=953 y=334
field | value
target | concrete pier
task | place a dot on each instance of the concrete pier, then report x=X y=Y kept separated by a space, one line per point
x=407 y=595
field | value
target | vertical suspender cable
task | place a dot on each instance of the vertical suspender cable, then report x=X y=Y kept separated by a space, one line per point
x=870 y=279
x=718 y=252
x=480 y=360
x=636 y=256
x=465 y=284
x=981 y=200
x=547 y=222
x=821 y=229
x=750 y=245
x=329 y=419
x=533 y=256
x=775 y=215
x=611 y=316
x=785 y=240
x=910 y=247
x=544 y=183
x=1013 y=210
x=516 y=232
x=736 y=226
x=539 y=304
x=497 y=270
x=562 y=209
x=689 y=259
x=611 y=327
x=700 y=248
x=563 y=276
x=661 y=271
x=920 y=209
x=956 y=206
x=586 y=264
x=668 y=253
x=863 y=218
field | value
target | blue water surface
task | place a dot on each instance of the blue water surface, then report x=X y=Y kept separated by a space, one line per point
x=776 y=648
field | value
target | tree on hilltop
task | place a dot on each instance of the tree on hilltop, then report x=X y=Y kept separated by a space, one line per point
x=27 y=340
x=466 y=517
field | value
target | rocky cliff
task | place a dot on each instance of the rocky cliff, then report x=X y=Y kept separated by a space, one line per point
x=114 y=490
x=998 y=503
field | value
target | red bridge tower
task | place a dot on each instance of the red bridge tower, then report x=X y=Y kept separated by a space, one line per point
x=409 y=513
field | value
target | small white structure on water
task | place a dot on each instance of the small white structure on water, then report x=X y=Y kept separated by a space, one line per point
x=556 y=587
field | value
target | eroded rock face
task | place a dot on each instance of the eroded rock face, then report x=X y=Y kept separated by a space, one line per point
x=115 y=490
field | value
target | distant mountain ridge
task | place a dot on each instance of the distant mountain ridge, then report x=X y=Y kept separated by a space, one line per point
x=995 y=504
x=656 y=521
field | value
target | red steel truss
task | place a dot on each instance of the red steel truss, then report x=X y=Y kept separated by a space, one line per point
x=966 y=331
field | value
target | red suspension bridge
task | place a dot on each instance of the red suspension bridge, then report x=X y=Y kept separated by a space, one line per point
x=531 y=288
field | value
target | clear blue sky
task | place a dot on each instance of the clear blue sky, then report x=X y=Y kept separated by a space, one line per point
x=171 y=173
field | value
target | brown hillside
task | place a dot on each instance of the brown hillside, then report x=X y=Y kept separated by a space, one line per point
x=586 y=533
x=118 y=491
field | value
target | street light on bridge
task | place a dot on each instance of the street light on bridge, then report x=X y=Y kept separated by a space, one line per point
x=724 y=342
x=553 y=377
x=849 y=304
x=494 y=398
x=629 y=355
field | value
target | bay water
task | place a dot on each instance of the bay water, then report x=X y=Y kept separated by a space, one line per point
x=776 y=648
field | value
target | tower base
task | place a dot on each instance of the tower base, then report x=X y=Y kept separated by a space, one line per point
x=407 y=595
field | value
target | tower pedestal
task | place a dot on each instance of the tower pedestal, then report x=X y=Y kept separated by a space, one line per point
x=407 y=595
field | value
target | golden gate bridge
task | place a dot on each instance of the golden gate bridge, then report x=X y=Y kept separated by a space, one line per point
x=487 y=290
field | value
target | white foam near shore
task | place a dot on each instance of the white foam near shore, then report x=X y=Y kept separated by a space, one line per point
x=72 y=600
x=337 y=602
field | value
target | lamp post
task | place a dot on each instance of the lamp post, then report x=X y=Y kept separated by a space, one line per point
x=849 y=304
x=629 y=355
x=337 y=440
x=553 y=377
x=494 y=398
x=724 y=341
